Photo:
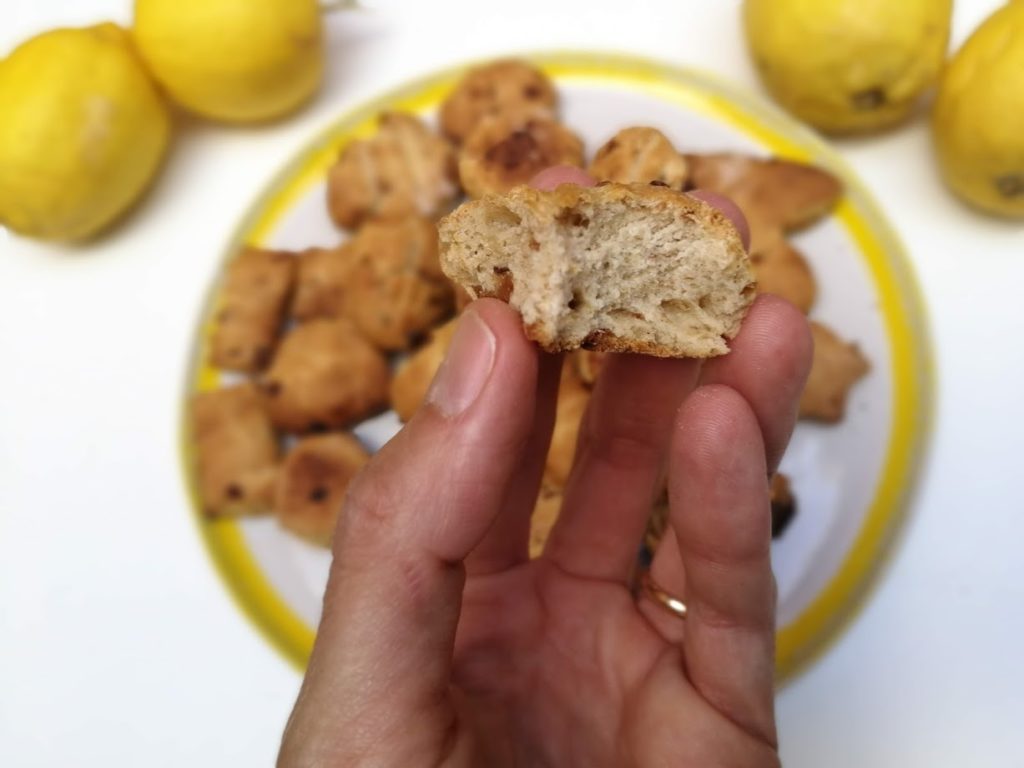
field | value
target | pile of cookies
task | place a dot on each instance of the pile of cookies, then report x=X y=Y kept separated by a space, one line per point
x=322 y=339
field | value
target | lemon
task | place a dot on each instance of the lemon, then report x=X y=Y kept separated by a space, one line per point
x=82 y=132
x=233 y=60
x=848 y=66
x=978 y=121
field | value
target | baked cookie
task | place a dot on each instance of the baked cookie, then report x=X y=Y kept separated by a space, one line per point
x=781 y=270
x=783 y=504
x=779 y=193
x=502 y=153
x=236 y=450
x=403 y=169
x=323 y=287
x=588 y=365
x=324 y=376
x=572 y=404
x=510 y=88
x=257 y=286
x=412 y=380
x=641 y=155
x=835 y=367
x=618 y=267
x=312 y=482
x=545 y=513
x=397 y=289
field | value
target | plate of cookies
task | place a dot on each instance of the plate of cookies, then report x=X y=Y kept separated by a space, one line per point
x=331 y=313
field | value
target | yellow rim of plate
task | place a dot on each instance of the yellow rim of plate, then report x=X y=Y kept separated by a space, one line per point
x=900 y=302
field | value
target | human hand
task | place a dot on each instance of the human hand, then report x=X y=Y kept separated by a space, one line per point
x=442 y=644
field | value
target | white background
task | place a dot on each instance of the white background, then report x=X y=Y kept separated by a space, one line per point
x=118 y=643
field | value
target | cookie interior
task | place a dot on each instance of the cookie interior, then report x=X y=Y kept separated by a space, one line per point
x=621 y=271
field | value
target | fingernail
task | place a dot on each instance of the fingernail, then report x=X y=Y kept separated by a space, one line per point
x=462 y=375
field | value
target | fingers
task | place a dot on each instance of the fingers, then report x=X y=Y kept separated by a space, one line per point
x=622 y=446
x=422 y=504
x=768 y=365
x=506 y=542
x=720 y=513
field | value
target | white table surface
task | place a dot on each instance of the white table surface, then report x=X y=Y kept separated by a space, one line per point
x=119 y=645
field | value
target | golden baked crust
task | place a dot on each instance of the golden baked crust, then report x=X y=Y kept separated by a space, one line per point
x=639 y=155
x=776 y=196
x=781 y=270
x=257 y=287
x=324 y=376
x=403 y=169
x=780 y=193
x=236 y=450
x=502 y=153
x=397 y=290
x=616 y=268
x=323 y=287
x=312 y=482
x=836 y=366
x=508 y=88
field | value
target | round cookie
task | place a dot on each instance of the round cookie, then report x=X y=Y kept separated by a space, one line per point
x=325 y=375
x=639 y=154
x=403 y=169
x=509 y=88
x=502 y=153
x=397 y=291
x=411 y=382
x=312 y=482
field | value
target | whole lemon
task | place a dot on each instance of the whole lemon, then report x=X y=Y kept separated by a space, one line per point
x=978 y=121
x=233 y=60
x=82 y=132
x=848 y=66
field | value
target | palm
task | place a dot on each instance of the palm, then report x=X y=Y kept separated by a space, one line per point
x=564 y=678
x=552 y=662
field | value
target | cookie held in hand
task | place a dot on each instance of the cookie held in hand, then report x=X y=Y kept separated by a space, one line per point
x=616 y=267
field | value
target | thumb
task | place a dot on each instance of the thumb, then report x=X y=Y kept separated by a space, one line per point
x=383 y=651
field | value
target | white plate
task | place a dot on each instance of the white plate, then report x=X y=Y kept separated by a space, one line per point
x=850 y=480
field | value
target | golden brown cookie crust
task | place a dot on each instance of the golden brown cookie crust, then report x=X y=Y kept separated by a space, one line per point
x=257 y=288
x=324 y=376
x=502 y=153
x=836 y=366
x=312 y=483
x=781 y=270
x=782 y=193
x=236 y=450
x=639 y=155
x=323 y=287
x=507 y=89
x=398 y=291
x=404 y=169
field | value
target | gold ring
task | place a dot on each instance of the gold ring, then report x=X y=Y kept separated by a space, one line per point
x=653 y=590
